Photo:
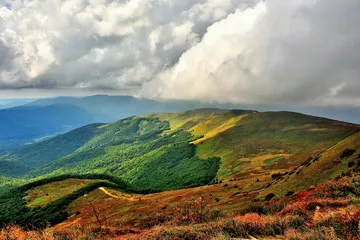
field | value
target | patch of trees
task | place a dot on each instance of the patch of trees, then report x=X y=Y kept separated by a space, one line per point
x=152 y=162
x=173 y=166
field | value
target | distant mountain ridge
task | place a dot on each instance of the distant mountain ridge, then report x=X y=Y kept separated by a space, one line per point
x=49 y=116
x=9 y=103
x=25 y=123
x=43 y=118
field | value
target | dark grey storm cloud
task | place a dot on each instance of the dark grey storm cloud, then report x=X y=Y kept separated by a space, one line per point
x=244 y=51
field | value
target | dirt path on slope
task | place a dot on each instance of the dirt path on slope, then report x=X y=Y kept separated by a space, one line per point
x=131 y=199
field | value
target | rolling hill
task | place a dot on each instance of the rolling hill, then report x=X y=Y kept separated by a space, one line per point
x=44 y=118
x=148 y=168
x=247 y=142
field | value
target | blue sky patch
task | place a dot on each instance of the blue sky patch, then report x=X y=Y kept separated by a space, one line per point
x=8 y=5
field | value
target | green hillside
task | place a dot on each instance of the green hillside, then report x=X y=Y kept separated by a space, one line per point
x=135 y=149
x=233 y=157
x=259 y=143
x=12 y=167
x=177 y=150
x=333 y=162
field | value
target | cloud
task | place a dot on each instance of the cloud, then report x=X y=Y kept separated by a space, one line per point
x=276 y=52
x=95 y=44
x=243 y=51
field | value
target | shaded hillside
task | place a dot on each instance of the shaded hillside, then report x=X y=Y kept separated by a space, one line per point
x=35 y=155
x=11 y=167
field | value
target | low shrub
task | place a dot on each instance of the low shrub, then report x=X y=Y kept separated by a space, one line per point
x=347 y=153
x=351 y=164
x=13 y=232
x=337 y=189
x=277 y=175
x=179 y=233
x=269 y=196
x=272 y=207
x=243 y=226
x=193 y=212
x=346 y=225
x=313 y=234
x=289 y=194
x=258 y=208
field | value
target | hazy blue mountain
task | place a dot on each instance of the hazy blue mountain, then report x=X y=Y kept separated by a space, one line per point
x=347 y=114
x=9 y=103
x=50 y=101
x=341 y=113
x=104 y=108
x=110 y=108
x=21 y=124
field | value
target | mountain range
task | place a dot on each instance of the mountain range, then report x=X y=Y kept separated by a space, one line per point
x=44 y=118
x=32 y=121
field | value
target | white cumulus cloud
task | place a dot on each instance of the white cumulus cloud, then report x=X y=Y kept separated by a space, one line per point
x=276 y=52
x=99 y=44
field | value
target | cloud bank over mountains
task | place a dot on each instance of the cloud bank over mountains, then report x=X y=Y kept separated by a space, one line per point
x=240 y=51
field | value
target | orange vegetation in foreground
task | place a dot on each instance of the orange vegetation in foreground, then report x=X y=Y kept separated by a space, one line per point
x=140 y=210
x=329 y=211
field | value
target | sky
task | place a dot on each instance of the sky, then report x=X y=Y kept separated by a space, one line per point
x=238 y=51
